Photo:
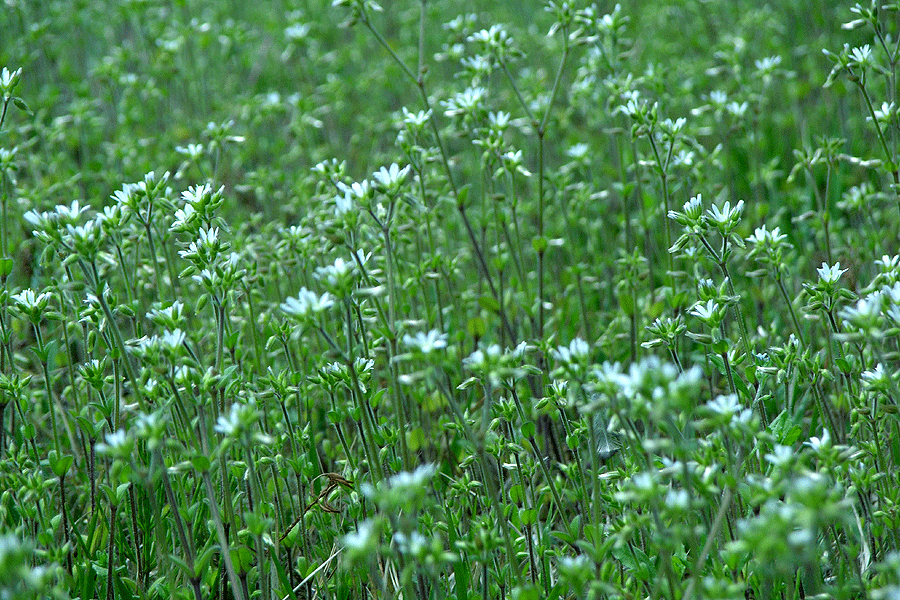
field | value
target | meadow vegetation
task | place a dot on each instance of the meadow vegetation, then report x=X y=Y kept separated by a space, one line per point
x=563 y=300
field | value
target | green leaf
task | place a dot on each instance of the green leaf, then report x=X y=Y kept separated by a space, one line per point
x=489 y=303
x=528 y=429
x=717 y=362
x=462 y=196
x=742 y=388
x=415 y=438
x=6 y=266
x=476 y=327
x=21 y=105
x=516 y=494
x=284 y=579
x=635 y=560
x=626 y=301
x=528 y=516
x=201 y=463
x=539 y=244
x=785 y=429
x=526 y=592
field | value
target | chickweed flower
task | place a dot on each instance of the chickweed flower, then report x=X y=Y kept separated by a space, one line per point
x=118 y=445
x=781 y=456
x=338 y=277
x=239 y=421
x=193 y=151
x=727 y=410
x=888 y=272
x=86 y=240
x=126 y=197
x=186 y=220
x=363 y=191
x=361 y=545
x=672 y=128
x=200 y=204
x=689 y=216
x=858 y=197
x=574 y=358
x=825 y=293
x=830 y=274
x=31 y=304
x=307 y=304
x=864 y=319
x=49 y=225
x=404 y=491
x=877 y=379
x=390 y=180
x=578 y=151
x=861 y=57
x=330 y=169
x=8 y=82
x=7 y=159
x=711 y=313
x=477 y=67
x=726 y=218
x=203 y=251
x=416 y=122
x=512 y=161
x=496 y=365
x=112 y=219
x=426 y=342
x=768 y=247
x=468 y=104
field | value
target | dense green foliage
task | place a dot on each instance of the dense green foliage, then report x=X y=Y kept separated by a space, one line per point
x=360 y=301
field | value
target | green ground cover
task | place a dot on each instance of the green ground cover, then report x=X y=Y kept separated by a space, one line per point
x=355 y=301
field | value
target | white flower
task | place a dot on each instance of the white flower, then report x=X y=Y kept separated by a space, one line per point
x=196 y=193
x=578 y=151
x=306 y=303
x=426 y=342
x=342 y=204
x=193 y=151
x=691 y=209
x=28 y=300
x=577 y=350
x=726 y=216
x=768 y=64
x=830 y=274
x=297 y=31
x=465 y=102
x=183 y=218
x=391 y=178
x=862 y=56
x=8 y=80
x=499 y=120
x=416 y=120
x=820 y=443
x=482 y=359
x=705 y=312
x=781 y=455
x=117 y=444
x=763 y=237
x=876 y=379
x=172 y=339
x=725 y=405
x=411 y=482
x=335 y=273
x=718 y=98
x=361 y=540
